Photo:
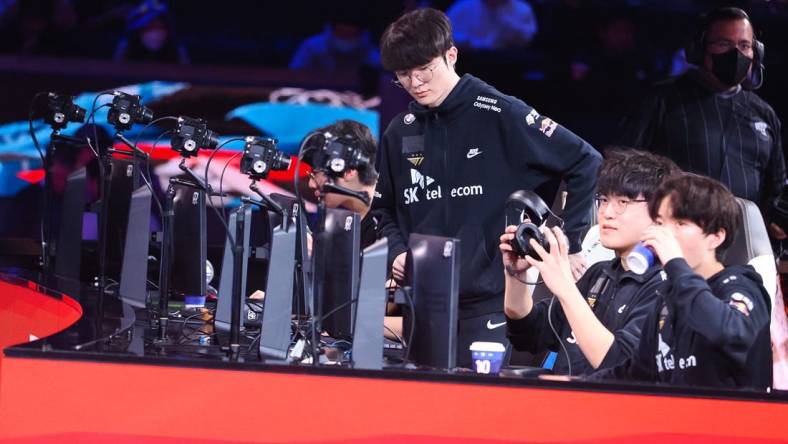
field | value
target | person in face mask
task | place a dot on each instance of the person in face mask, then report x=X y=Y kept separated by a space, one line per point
x=710 y=122
x=149 y=36
x=344 y=47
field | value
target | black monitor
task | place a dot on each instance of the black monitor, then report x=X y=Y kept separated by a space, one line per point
x=238 y=222
x=341 y=249
x=124 y=179
x=371 y=307
x=68 y=250
x=134 y=269
x=276 y=331
x=433 y=272
x=255 y=224
x=189 y=244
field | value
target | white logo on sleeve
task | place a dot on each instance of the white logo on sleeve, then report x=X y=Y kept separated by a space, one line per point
x=473 y=152
x=761 y=127
x=491 y=326
x=409 y=118
x=621 y=308
x=530 y=119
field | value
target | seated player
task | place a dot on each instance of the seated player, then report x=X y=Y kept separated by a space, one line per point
x=711 y=328
x=597 y=321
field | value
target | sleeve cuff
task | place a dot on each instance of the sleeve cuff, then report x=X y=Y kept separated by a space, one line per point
x=523 y=325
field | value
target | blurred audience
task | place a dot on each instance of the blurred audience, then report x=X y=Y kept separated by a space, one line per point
x=344 y=47
x=492 y=24
x=150 y=36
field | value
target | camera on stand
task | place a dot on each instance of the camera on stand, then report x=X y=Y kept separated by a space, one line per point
x=261 y=156
x=62 y=110
x=338 y=154
x=191 y=135
x=126 y=110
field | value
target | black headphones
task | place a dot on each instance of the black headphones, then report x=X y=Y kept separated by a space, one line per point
x=337 y=154
x=522 y=205
x=696 y=49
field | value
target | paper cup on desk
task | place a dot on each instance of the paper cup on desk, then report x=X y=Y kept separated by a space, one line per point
x=487 y=357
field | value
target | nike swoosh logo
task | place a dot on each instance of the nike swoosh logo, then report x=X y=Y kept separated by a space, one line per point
x=491 y=326
x=472 y=154
x=621 y=310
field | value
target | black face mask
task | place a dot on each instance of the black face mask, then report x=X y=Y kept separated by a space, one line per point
x=730 y=67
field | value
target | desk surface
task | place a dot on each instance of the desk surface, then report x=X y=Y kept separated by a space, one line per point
x=50 y=393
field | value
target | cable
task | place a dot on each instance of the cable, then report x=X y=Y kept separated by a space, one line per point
x=557 y=336
x=412 y=324
x=399 y=338
x=95 y=149
x=210 y=158
x=221 y=182
x=30 y=125
x=149 y=180
x=510 y=271
x=336 y=309
x=221 y=179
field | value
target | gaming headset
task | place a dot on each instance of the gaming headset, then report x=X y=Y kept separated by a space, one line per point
x=533 y=212
x=696 y=48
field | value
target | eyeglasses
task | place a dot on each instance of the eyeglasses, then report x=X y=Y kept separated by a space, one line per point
x=619 y=205
x=725 y=45
x=318 y=176
x=423 y=75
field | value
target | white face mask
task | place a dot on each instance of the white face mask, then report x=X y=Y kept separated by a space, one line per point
x=153 y=39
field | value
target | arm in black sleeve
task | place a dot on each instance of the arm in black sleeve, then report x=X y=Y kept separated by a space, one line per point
x=729 y=329
x=532 y=333
x=640 y=365
x=775 y=173
x=384 y=205
x=545 y=145
x=627 y=338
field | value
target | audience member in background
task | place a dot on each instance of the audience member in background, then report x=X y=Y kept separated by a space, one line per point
x=711 y=328
x=343 y=48
x=710 y=122
x=150 y=37
x=38 y=27
x=492 y=24
x=596 y=322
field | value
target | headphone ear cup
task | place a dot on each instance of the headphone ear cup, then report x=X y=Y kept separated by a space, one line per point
x=758 y=50
x=525 y=232
x=694 y=52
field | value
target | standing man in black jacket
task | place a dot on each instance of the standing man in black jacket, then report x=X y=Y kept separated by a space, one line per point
x=709 y=120
x=449 y=162
x=712 y=326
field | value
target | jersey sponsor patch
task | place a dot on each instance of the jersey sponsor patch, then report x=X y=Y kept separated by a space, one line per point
x=742 y=303
x=530 y=119
x=547 y=126
x=761 y=128
x=416 y=159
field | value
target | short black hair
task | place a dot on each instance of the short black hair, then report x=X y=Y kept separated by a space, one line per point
x=361 y=138
x=631 y=173
x=415 y=39
x=702 y=201
x=724 y=14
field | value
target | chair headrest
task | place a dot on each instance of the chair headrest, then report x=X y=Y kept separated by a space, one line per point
x=751 y=240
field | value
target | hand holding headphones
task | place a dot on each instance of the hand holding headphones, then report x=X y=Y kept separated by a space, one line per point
x=532 y=213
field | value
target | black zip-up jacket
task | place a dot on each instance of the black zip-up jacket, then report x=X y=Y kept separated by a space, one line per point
x=734 y=138
x=447 y=171
x=705 y=333
x=620 y=299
